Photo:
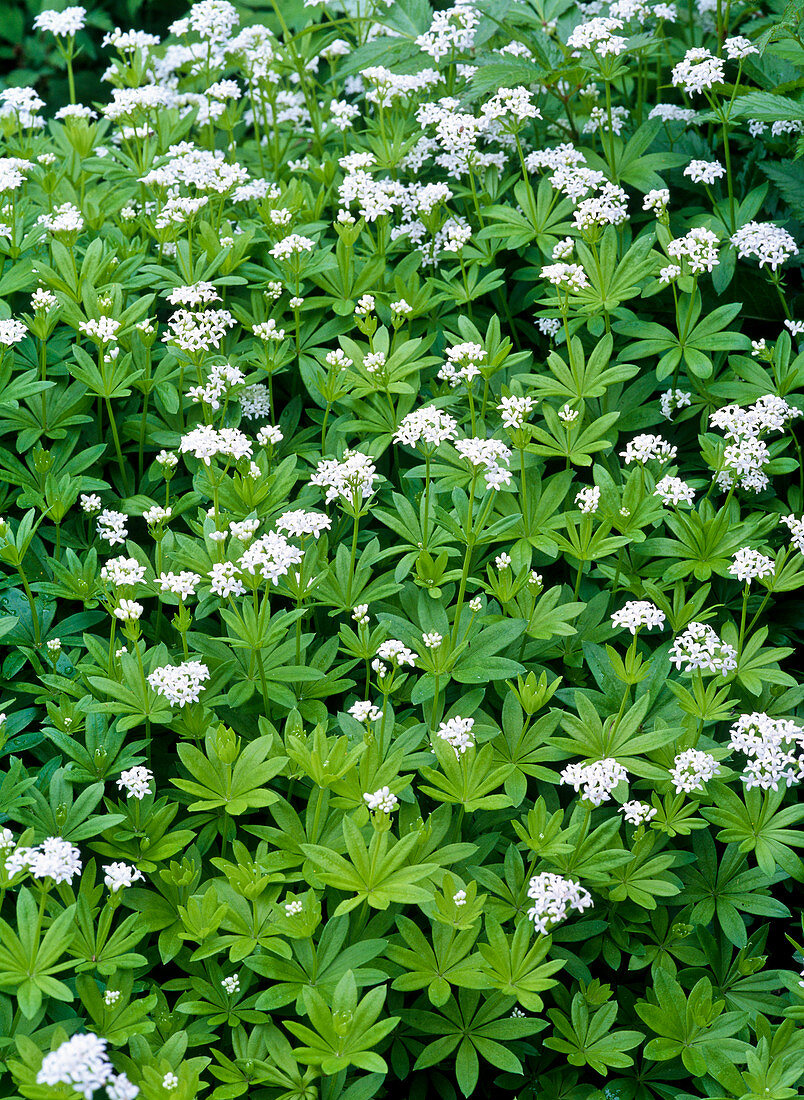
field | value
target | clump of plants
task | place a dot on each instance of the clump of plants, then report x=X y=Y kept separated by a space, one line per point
x=400 y=461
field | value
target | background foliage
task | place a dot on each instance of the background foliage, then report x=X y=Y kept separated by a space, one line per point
x=344 y=802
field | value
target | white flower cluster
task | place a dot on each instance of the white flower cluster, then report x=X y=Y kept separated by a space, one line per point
x=637 y=813
x=673 y=490
x=598 y=779
x=54 y=858
x=492 y=455
x=638 y=613
x=382 y=800
x=774 y=748
x=123 y=572
x=698 y=71
x=272 y=555
x=300 y=524
x=136 y=782
x=748 y=565
x=515 y=410
x=396 y=653
x=191 y=331
x=768 y=243
x=457 y=732
x=452 y=30
x=796 y=528
x=427 y=425
x=691 y=769
x=119 y=875
x=588 y=499
x=463 y=363
x=82 y=1064
x=180 y=684
x=365 y=711
x=646 y=447
x=698 y=248
x=747 y=455
x=705 y=171
x=206 y=443
x=671 y=400
x=62 y=23
x=570 y=277
x=554 y=898
x=699 y=647
x=352 y=479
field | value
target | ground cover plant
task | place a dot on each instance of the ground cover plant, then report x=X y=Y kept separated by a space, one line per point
x=401 y=557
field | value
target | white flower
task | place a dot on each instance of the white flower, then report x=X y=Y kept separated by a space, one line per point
x=170 y=1081
x=432 y=640
x=656 y=200
x=774 y=748
x=691 y=769
x=700 y=647
x=571 y=277
x=119 y=875
x=698 y=71
x=698 y=248
x=672 y=490
x=80 y=1062
x=554 y=898
x=128 y=611
x=644 y=448
x=68 y=21
x=111 y=526
x=396 y=653
x=674 y=399
x=365 y=711
x=181 y=684
x=796 y=528
x=457 y=732
x=301 y=524
x=670 y=112
x=749 y=564
x=738 y=47
x=502 y=561
x=123 y=571
x=382 y=800
x=637 y=813
x=598 y=779
x=11 y=332
x=475 y=604
x=491 y=454
x=638 y=613
x=206 y=442
x=136 y=782
x=272 y=555
x=293 y=908
x=120 y=1088
x=769 y=243
x=181 y=584
x=515 y=410
x=459 y=898
x=231 y=984
x=111 y=997
x=588 y=499
x=351 y=479
x=705 y=171
x=66 y=218
x=54 y=858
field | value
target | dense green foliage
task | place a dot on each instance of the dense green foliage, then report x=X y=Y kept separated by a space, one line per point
x=402 y=554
